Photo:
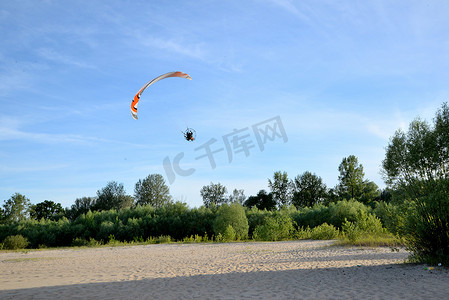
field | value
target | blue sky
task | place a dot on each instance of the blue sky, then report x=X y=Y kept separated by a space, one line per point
x=341 y=76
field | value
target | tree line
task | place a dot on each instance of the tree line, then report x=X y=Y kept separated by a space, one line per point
x=415 y=204
x=304 y=190
x=150 y=191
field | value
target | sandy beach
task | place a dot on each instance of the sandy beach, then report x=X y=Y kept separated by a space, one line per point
x=278 y=270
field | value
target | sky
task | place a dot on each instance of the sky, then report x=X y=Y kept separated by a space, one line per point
x=278 y=85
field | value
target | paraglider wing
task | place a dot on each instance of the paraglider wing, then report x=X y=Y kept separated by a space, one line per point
x=139 y=93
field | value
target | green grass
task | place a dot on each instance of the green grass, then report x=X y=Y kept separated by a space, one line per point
x=325 y=232
x=14 y=260
x=382 y=240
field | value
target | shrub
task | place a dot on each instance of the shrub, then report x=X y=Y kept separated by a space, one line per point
x=14 y=242
x=279 y=227
x=106 y=230
x=351 y=232
x=427 y=230
x=233 y=215
x=364 y=225
x=196 y=239
x=346 y=210
x=311 y=217
x=163 y=239
x=334 y=214
x=303 y=233
x=229 y=234
x=392 y=216
x=197 y=221
x=81 y=242
x=256 y=217
x=324 y=232
x=219 y=238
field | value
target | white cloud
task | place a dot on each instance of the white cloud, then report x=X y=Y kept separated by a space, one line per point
x=54 y=56
x=175 y=45
x=15 y=134
x=291 y=8
x=31 y=168
x=10 y=129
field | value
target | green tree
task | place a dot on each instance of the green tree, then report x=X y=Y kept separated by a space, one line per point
x=152 y=190
x=275 y=228
x=16 y=208
x=2 y=216
x=331 y=196
x=280 y=188
x=231 y=215
x=386 y=195
x=416 y=160
x=370 y=192
x=47 y=210
x=81 y=206
x=112 y=196
x=308 y=190
x=214 y=194
x=417 y=163
x=262 y=201
x=351 y=182
x=237 y=196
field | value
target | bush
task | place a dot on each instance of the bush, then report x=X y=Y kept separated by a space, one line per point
x=351 y=232
x=14 y=242
x=334 y=214
x=303 y=233
x=233 y=215
x=392 y=216
x=107 y=229
x=364 y=225
x=163 y=239
x=277 y=228
x=196 y=239
x=256 y=217
x=312 y=217
x=427 y=229
x=346 y=210
x=229 y=234
x=324 y=232
x=219 y=238
x=81 y=242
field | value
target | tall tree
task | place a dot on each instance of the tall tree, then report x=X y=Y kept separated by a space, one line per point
x=16 y=208
x=81 y=206
x=214 y=194
x=331 y=196
x=112 y=196
x=351 y=182
x=280 y=188
x=370 y=193
x=237 y=196
x=262 y=201
x=47 y=210
x=417 y=163
x=308 y=189
x=417 y=159
x=152 y=190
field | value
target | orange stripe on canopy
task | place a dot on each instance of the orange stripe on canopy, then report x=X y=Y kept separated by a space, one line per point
x=139 y=93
